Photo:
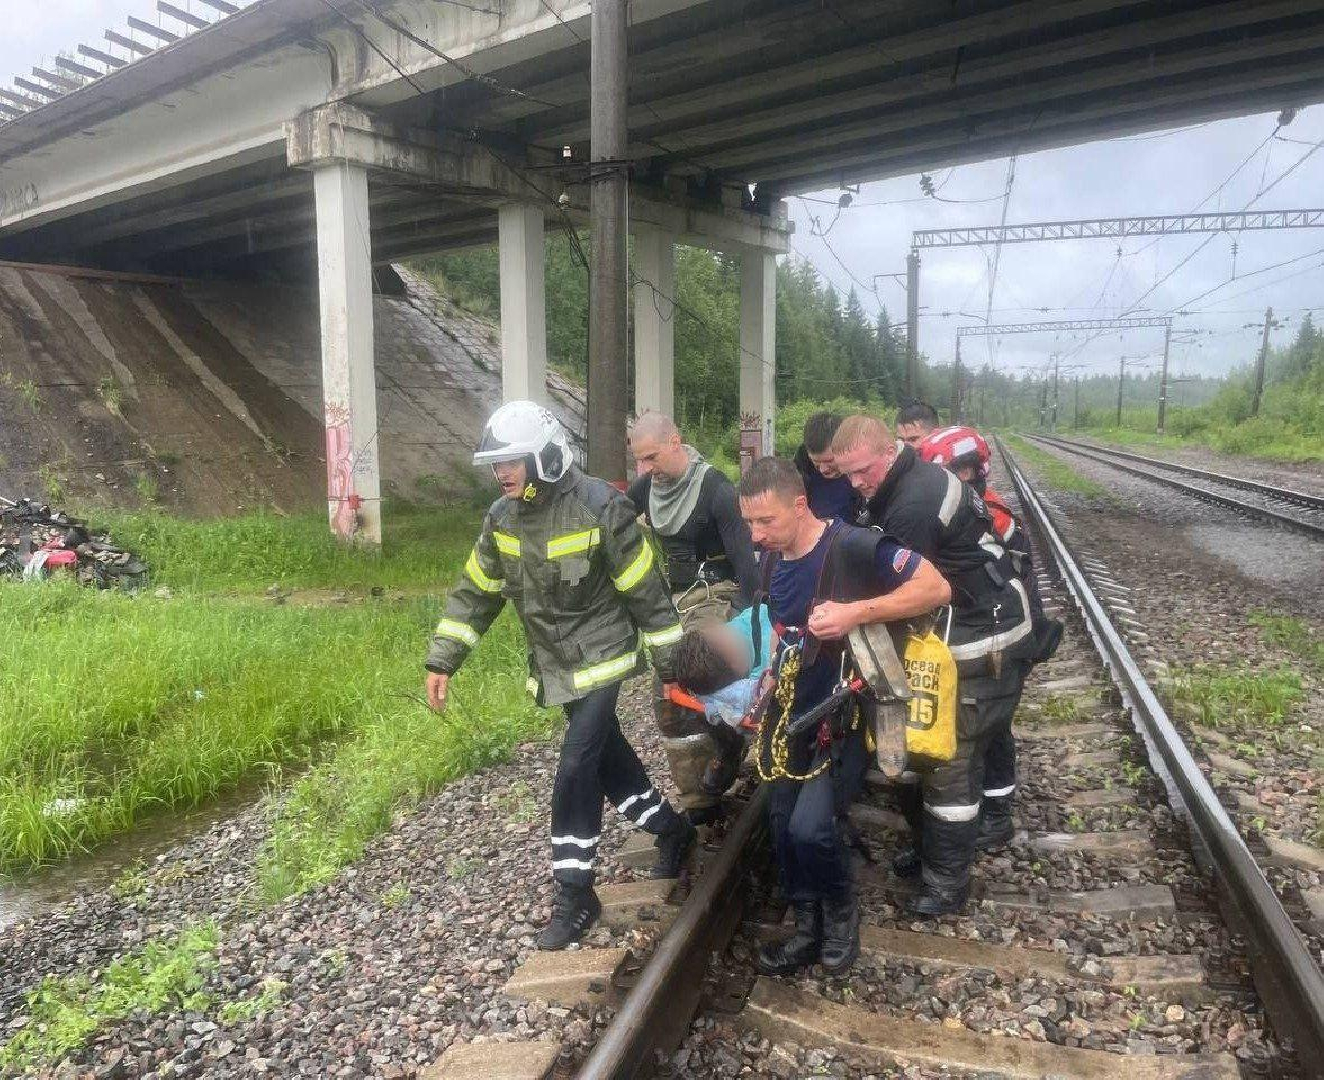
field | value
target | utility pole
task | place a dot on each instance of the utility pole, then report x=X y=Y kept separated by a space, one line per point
x=1163 y=379
x=1259 y=364
x=1056 y=362
x=1121 y=381
x=607 y=377
x=1075 y=416
x=956 y=383
x=912 y=321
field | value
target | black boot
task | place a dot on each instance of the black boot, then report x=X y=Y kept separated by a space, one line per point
x=801 y=948
x=841 y=934
x=933 y=900
x=720 y=773
x=574 y=910
x=906 y=862
x=672 y=848
x=948 y=850
x=995 y=825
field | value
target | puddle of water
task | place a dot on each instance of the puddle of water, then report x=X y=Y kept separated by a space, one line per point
x=21 y=898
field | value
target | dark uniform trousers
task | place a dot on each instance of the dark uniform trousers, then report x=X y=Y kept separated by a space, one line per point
x=596 y=760
x=943 y=809
x=807 y=819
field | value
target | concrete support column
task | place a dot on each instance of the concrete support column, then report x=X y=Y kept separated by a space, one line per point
x=523 y=303
x=654 y=322
x=349 y=384
x=758 y=343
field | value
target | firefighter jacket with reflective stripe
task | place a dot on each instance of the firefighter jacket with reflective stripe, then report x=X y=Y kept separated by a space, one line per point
x=928 y=509
x=586 y=584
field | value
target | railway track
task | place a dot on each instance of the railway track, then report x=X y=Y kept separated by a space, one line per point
x=1095 y=934
x=1297 y=510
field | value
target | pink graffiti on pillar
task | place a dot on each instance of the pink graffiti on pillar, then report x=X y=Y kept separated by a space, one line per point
x=340 y=472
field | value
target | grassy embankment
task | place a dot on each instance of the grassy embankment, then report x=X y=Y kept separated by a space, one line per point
x=1054 y=471
x=115 y=707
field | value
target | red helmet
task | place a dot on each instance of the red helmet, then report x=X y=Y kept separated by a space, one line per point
x=955 y=447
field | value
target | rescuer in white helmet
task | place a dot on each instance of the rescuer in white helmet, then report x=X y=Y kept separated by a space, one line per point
x=565 y=549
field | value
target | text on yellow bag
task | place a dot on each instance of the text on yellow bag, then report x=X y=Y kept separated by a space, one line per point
x=931 y=673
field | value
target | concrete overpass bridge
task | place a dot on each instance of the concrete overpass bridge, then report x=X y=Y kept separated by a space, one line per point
x=316 y=138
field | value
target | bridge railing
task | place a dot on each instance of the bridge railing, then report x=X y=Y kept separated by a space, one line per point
x=71 y=70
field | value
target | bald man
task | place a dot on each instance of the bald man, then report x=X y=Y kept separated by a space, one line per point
x=693 y=510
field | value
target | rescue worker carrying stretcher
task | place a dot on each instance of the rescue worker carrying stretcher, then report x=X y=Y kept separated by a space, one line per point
x=566 y=550
x=710 y=565
x=987 y=629
x=822 y=580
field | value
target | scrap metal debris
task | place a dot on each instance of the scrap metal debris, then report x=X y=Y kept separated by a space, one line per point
x=37 y=542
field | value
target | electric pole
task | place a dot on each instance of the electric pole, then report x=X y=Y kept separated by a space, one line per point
x=1053 y=425
x=1163 y=380
x=607 y=382
x=956 y=383
x=1075 y=416
x=912 y=321
x=1259 y=364
x=1121 y=382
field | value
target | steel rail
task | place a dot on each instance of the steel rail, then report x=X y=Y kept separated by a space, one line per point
x=1284 y=971
x=657 y=1011
x=1301 y=498
x=1310 y=528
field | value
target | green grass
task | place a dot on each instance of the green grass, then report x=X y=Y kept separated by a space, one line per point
x=1055 y=472
x=1290 y=633
x=114 y=707
x=423 y=547
x=335 y=809
x=63 y=1012
x=1061 y=709
x=1238 y=698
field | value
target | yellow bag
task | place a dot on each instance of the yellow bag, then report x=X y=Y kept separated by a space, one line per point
x=931 y=672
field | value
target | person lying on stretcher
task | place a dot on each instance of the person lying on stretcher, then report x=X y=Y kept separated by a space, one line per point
x=718 y=672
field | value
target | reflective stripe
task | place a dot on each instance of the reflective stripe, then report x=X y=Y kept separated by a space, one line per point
x=953 y=813
x=606 y=671
x=669 y=636
x=1000 y=640
x=625 y=806
x=571 y=864
x=648 y=813
x=592 y=841
x=506 y=544
x=634 y=573
x=573 y=543
x=459 y=631
x=950 y=500
x=476 y=575
x=997 y=793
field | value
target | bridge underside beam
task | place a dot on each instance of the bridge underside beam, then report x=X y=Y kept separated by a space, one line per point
x=469 y=172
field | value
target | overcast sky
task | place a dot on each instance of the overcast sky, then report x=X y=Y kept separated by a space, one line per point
x=1159 y=173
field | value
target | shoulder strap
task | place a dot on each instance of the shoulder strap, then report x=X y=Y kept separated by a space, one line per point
x=770 y=560
x=827 y=574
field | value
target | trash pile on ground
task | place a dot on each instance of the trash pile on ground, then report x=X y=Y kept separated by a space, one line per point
x=37 y=542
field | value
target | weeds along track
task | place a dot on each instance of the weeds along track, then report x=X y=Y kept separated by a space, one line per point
x=1127 y=930
x=1282 y=506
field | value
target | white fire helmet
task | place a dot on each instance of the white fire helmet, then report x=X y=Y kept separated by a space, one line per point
x=522 y=429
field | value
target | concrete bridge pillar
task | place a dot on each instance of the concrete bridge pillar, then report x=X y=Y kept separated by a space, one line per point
x=654 y=321
x=523 y=303
x=758 y=343
x=349 y=384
